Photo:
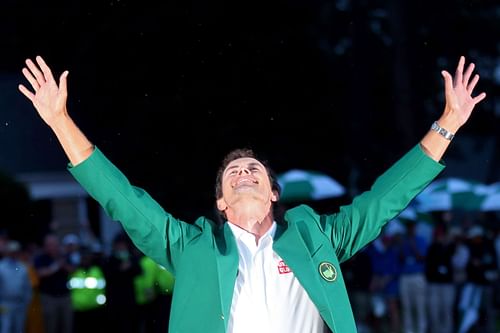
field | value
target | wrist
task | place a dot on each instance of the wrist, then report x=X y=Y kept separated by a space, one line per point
x=60 y=121
x=449 y=121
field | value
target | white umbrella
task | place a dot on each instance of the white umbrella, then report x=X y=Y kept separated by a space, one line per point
x=301 y=185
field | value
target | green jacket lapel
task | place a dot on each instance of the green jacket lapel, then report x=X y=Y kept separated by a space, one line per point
x=292 y=248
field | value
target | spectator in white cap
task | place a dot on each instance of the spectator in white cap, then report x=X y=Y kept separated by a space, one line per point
x=71 y=243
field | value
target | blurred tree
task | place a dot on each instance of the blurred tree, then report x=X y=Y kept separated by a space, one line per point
x=343 y=86
x=15 y=205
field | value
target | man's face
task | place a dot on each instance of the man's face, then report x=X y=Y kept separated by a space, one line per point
x=243 y=178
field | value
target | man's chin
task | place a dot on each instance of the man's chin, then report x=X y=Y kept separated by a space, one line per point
x=245 y=189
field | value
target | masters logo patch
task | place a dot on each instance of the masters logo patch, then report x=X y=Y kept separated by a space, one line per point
x=327 y=271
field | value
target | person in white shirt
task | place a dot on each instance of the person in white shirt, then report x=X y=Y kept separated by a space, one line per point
x=253 y=274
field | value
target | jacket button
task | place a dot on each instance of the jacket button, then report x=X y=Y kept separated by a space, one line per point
x=222 y=317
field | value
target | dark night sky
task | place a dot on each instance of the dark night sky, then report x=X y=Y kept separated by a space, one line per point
x=166 y=88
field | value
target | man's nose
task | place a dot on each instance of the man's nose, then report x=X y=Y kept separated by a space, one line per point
x=244 y=171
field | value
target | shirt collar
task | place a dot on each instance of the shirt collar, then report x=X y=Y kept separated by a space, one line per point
x=240 y=232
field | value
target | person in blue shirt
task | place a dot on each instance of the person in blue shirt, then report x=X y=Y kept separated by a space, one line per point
x=412 y=280
x=384 y=285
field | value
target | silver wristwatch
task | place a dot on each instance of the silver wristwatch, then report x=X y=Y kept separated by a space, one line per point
x=447 y=135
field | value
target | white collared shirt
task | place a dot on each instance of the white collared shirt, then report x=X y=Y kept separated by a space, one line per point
x=267 y=296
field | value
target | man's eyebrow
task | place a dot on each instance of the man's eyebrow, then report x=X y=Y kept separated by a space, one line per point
x=252 y=164
x=234 y=166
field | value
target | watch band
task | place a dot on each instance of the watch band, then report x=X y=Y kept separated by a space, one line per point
x=447 y=135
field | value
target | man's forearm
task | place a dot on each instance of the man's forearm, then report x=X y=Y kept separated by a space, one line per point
x=74 y=143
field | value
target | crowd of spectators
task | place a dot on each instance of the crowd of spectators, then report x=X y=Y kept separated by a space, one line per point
x=66 y=286
x=438 y=276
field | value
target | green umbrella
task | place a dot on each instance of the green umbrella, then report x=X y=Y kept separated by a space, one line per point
x=307 y=185
x=458 y=194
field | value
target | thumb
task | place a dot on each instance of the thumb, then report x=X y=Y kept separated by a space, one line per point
x=63 y=86
x=448 y=81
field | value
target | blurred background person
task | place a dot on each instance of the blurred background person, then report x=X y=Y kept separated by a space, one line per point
x=476 y=302
x=384 y=286
x=145 y=292
x=164 y=284
x=412 y=281
x=34 y=318
x=357 y=277
x=440 y=283
x=71 y=247
x=88 y=294
x=120 y=270
x=53 y=270
x=459 y=262
x=15 y=290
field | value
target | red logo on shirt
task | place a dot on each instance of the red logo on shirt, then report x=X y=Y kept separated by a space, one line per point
x=283 y=268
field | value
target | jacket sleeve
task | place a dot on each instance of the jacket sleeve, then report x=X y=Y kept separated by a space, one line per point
x=155 y=232
x=360 y=222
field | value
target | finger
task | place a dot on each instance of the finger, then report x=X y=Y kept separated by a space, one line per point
x=45 y=69
x=479 y=98
x=448 y=81
x=472 y=84
x=31 y=79
x=26 y=92
x=459 y=70
x=63 y=82
x=35 y=71
x=468 y=73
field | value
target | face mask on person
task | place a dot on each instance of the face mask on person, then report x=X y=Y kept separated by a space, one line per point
x=122 y=254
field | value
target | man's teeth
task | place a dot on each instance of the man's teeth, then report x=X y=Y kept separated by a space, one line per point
x=244 y=181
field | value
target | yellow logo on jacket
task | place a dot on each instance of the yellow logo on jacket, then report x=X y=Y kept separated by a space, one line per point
x=327 y=271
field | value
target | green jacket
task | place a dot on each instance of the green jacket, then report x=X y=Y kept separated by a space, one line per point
x=204 y=257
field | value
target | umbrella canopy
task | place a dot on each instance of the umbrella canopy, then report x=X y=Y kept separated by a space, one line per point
x=492 y=201
x=306 y=185
x=458 y=194
x=409 y=213
x=423 y=222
